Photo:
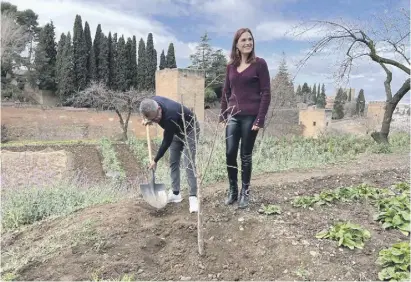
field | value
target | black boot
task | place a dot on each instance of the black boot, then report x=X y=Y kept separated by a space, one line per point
x=232 y=193
x=244 y=196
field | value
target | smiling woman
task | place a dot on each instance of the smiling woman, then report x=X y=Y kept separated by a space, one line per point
x=244 y=104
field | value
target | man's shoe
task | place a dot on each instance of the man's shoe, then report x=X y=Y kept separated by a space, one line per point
x=193 y=204
x=171 y=198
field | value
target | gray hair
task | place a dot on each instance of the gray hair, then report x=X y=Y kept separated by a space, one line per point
x=148 y=106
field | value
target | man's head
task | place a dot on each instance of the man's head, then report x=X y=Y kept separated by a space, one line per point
x=150 y=110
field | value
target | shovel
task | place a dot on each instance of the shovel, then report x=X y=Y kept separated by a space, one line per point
x=154 y=194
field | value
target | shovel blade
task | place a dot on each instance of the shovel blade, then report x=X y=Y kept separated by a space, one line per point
x=155 y=195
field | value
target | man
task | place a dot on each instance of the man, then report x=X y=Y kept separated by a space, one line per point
x=181 y=132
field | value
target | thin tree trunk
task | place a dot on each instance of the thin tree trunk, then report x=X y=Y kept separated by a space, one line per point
x=382 y=136
x=123 y=125
x=200 y=236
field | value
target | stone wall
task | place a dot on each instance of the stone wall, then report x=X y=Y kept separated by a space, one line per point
x=315 y=121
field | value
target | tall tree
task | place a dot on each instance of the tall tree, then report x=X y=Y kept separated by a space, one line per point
x=29 y=20
x=313 y=96
x=122 y=61
x=360 y=103
x=67 y=75
x=151 y=61
x=80 y=54
x=162 y=60
x=321 y=99
x=59 y=58
x=339 y=102
x=45 y=58
x=282 y=88
x=299 y=92
x=114 y=63
x=103 y=60
x=130 y=71
x=96 y=46
x=110 y=60
x=305 y=92
x=141 y=67
x=318 y=92
x=171 y=57
x=134 y=62
x=90 y=55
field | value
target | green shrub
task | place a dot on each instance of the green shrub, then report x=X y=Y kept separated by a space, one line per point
x=347 y=234
x=395 y=262
x=210 y=96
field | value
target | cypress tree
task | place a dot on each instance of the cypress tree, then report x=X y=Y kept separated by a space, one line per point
x=134 y=62
x=171 y=57
x=114 y=63
x=90 y=55
x=150 y=61
x=321 y=99
x=45 y=59
x=130 y=71
x=141 y=67
x=67 y=78
x=59 y=58
x=103 y=59
x=96 y=47
x=110 y=60
x=162 y=60
x=80 y=54
x=122 y=61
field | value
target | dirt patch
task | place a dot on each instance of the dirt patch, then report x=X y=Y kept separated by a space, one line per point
x=130 y=238
x=86 y=159
x=26 y=169
x=133 y=169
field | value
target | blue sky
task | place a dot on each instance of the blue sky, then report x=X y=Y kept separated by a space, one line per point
x=184 y=21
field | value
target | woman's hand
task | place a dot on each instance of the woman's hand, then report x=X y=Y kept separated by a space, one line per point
x=255 y=128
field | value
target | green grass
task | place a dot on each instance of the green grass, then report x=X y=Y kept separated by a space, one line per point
x=26 y=206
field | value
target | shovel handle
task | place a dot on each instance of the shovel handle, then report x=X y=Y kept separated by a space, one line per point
x=149 y=142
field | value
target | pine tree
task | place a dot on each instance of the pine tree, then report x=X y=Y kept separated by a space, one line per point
x=134 y=62
x=67 y=78
x=299 y=93
x=282 y=89
x=360 y=105
x=45 y=58
x=90 y=58
x=171 y=57
x=141 y=67
x=103 y=61
x=96 y=46
x=321 y=99
x=162 y=60
x=80 y=54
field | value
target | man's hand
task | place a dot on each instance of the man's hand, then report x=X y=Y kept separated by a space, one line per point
x=146 y=122
x=153 y=165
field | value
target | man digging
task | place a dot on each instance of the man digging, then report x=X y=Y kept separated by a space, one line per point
x=181 y=131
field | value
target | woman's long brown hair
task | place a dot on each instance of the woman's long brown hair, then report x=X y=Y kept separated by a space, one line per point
x=235 y=58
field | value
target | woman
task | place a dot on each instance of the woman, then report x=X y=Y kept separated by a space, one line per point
x=244 y=104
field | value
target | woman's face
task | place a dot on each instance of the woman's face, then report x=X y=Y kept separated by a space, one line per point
x=245 y=43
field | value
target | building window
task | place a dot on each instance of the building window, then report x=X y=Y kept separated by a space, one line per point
x=314 y=123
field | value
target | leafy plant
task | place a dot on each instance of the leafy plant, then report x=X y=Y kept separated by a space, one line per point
x=111 y=164
x=394 y=212
x=395 y=262
x=347 y=234
x=270 y=209
x=304 y=201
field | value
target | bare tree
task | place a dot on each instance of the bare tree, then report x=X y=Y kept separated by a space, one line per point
x=13 y=39
x=98 y=96
x=386 y=46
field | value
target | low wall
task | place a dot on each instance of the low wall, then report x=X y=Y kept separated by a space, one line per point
x=66 y=123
